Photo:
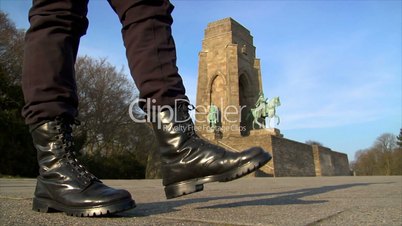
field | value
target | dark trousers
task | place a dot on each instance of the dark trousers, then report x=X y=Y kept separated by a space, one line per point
x=51 y=46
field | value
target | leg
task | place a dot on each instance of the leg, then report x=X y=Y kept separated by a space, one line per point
x=150 y=49
x=187 y=161
x=51 y=46
x=49 y=88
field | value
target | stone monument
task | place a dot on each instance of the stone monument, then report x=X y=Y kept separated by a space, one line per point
x=229 y=93
x=229 y=79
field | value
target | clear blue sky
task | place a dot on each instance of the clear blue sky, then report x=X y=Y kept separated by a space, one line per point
x=335 y=64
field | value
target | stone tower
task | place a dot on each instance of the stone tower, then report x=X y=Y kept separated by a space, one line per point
x=229 y=78
x=229 y=85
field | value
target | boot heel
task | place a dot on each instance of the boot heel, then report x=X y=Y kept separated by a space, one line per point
x=40 y=206
x=182 y=188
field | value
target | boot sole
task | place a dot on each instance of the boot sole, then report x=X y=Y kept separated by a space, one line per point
x=47 y=205
x=195 y=185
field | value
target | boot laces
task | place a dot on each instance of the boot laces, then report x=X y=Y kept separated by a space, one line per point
x=65 y=129
x=184 y=110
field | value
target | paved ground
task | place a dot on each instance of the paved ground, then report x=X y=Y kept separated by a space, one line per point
x=248 y=201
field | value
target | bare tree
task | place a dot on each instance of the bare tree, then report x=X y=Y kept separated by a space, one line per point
x=313 y=142
x=384 y=146
x=383 y=158
x=11 y=49
x=107 y=130
x=17 y=153
x=104 y=95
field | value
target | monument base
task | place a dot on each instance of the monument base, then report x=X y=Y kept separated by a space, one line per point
x=266 y=131
x=252 y=133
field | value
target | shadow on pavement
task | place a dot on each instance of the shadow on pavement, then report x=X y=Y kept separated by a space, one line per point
x=280 y=198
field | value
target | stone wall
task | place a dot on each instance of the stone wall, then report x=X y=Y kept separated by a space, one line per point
x=341 y=164
x=316 y=155
x=330 y=163
x=291 y=158
x=239 y=143
x=323 y=161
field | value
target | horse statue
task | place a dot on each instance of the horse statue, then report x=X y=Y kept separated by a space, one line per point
x=271 y=110
x=258 y=112
x=213 y=116
x=263 y=109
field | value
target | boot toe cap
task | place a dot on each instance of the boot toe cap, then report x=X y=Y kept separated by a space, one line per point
x=256 y=152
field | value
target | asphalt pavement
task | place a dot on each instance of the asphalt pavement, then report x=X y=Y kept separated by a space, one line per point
x=248 y=201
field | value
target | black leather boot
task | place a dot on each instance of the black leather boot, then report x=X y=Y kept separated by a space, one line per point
x=187 y=161
x=65 y=185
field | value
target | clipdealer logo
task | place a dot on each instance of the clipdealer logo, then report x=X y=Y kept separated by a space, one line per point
x=151 y=115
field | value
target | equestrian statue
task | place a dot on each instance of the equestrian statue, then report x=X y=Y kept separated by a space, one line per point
x=265 y=108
